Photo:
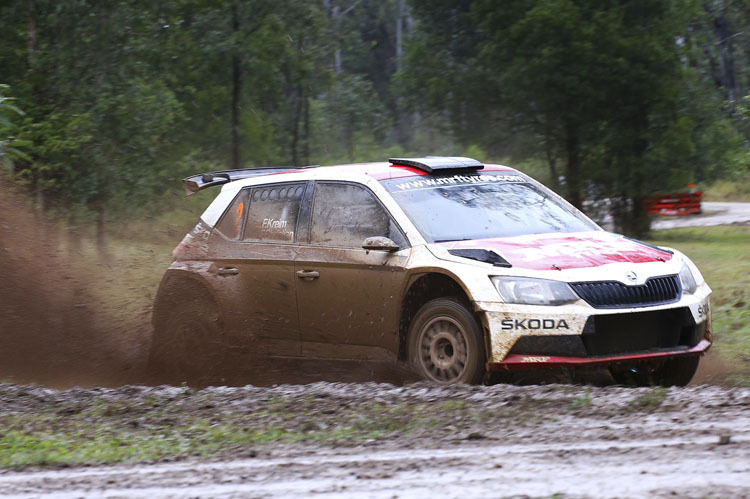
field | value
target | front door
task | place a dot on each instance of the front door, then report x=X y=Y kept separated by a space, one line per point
x=349 y=299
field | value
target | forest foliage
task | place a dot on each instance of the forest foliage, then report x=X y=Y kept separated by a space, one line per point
x=103 y=105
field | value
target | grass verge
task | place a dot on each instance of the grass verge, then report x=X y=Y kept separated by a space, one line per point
x=723 y=256
x=728 y=190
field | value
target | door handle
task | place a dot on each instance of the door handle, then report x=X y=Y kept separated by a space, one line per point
x=308 y=275
x=228 y=271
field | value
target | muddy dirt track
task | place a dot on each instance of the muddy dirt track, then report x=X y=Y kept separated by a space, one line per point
x=494 y=441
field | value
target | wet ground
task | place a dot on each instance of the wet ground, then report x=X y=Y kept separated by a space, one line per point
x=499 y=441
x=714 y=213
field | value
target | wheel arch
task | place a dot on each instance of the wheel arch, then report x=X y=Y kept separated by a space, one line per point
x=179 y=285
x=424 y=286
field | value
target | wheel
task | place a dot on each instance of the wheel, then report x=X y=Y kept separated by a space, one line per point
x=676 y=372
x=671 y=372
x=631 y=376
x=187 y=343
x=445 y=343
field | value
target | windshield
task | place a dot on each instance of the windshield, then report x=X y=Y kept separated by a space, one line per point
x=481 y=206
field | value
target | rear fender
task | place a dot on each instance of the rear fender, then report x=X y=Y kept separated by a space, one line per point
x=177 y=285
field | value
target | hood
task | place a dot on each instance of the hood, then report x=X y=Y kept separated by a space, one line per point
x=566 y=251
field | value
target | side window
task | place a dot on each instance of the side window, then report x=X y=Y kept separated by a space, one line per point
x=273 y=213
x=347 y=214
x=232 y=221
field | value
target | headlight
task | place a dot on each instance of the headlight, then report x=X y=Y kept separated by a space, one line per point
x=688 y=281
x=533 y=291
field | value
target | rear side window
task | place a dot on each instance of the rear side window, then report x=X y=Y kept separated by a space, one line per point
x=232 y=222
x=273 y=213
x=347 y=214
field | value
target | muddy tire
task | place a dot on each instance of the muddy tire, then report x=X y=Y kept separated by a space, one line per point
x=445 y=343
x=677 y=372
x=671 y=372
x=187 y=344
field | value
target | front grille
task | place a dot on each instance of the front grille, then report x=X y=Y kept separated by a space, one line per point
x=613 y=294
x=619 y=334
x=643 y=331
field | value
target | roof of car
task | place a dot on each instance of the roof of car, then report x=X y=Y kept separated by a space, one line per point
x=378 y=171
x=383 y=170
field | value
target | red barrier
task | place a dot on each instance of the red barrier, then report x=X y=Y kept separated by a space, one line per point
x=683 y=203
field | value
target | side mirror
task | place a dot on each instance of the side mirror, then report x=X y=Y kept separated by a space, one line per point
x=379 y=243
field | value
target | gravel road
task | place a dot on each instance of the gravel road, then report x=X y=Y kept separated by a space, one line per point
x=713 y=214
x=497 y=441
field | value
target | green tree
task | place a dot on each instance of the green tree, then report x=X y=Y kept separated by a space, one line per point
x=597 y=85
x=10 y=146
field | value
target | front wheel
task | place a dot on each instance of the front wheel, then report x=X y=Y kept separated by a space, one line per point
x=445 y=343
x=671 y=372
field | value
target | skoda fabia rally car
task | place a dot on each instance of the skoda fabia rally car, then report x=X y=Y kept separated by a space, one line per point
x=456 y=267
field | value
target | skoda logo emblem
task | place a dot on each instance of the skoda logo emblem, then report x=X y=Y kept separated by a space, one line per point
x=632 y=276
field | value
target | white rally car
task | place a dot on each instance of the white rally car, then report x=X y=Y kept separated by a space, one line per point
x=457 y=267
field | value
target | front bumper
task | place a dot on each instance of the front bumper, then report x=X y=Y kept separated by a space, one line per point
x=516 y=362
x=528 y=337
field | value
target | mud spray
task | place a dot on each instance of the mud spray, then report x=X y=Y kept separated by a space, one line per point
x=52 y=328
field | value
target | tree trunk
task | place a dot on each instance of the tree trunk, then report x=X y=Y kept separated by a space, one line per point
x=638 y=223
x=337 y=50
x=551 y=159
x=31 y=33
x=349 y=138
x=296 y=125
x=726 y=58
x=404 y=122
x=573 y=170
x=39 y=207
x=101 y=230
x=306 y=131
x=73 y=233
x=400 y=34
x=236 y=84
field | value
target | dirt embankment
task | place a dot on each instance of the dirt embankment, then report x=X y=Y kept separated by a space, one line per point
x=378 y=440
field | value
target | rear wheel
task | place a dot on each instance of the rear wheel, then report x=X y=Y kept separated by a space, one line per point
x=672 y=372
x=445 y=343
x=187 y=344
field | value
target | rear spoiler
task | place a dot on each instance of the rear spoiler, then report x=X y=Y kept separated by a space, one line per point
x=202 y=181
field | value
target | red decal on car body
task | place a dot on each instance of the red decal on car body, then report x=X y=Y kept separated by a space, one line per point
x=516 y=361
x=567 y=251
